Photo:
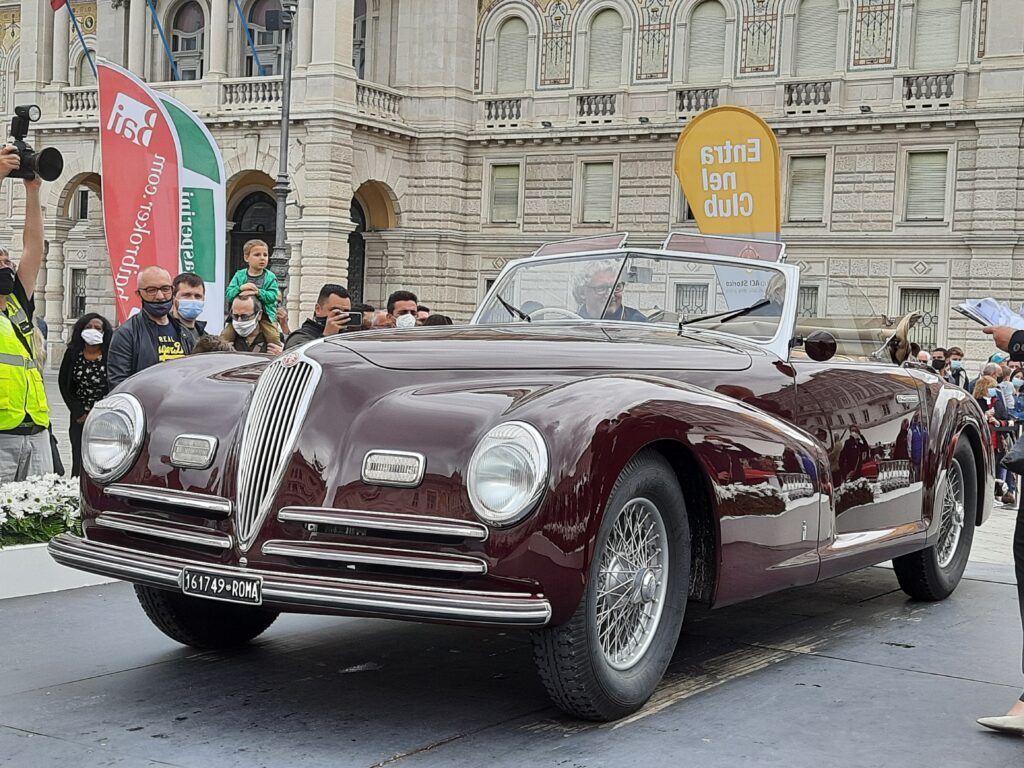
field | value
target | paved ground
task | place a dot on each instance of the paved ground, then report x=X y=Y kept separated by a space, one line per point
x=845 y=674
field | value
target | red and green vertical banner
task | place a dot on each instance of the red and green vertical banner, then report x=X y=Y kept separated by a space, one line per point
x=164 y=191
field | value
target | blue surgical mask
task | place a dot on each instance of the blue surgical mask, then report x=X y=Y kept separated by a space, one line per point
x=956 y=365
x=1018 y=383
x=993 y=391
x=1000 y=357
x=190 y=309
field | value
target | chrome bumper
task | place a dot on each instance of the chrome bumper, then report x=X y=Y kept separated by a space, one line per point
x=297 y=592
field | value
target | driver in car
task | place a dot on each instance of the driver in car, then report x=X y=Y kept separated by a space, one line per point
x=596 y=304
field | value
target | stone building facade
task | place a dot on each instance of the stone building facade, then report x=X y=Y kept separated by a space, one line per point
x=435 y=140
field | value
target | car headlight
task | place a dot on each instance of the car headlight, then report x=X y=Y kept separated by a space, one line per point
x=112 y=437
x=507 y=473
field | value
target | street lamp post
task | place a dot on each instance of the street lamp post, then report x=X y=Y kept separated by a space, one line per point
x=279 y=258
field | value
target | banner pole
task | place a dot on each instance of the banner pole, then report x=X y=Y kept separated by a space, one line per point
x=248 y=36
x=81 y=39
x=176 y=75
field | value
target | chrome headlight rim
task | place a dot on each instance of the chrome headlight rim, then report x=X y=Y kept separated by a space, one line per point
x=128 y=407
x=531 y=439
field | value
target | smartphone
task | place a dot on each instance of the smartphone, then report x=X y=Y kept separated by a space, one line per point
x=355 y=321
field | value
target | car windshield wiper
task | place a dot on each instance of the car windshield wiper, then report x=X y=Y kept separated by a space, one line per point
x=514 y=311
x=729 y=314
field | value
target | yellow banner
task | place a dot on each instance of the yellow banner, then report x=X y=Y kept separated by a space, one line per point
x=727 y=160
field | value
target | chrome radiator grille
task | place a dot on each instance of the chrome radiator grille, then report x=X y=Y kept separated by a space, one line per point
x=275 y=416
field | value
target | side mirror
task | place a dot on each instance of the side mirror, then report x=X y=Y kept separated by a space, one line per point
x=820 y=346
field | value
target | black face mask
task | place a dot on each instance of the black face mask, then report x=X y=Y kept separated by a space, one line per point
x=321 y=321
x=157 y=308
x=938 y=365
x=6 y=281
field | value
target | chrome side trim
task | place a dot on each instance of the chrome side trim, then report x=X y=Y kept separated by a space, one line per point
x=386 y=521
x=300 y=592
x=217 y=506
x=162 y=529
x=394 y=558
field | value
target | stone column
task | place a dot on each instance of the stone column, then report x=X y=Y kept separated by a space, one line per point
x=53 y=289
x=218 y=39
x=36 y=42
x=61 y=46
x=304 y=35
x=137 y=30
x=966 y=13
x=330 y=76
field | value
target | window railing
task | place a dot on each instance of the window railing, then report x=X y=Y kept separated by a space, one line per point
x=808 y=98
x=596 y=107
x=378 y=101
x=251 y=93
x=694 y=100
x=80 y=101
x=928 y=90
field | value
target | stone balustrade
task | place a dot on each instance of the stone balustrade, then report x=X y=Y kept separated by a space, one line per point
x=924 y=90
x=596 y=107
x=80 y=102
x=503 y=112
x=807 y=98
x=379 y=101
x=251 y=93
x=693 y=100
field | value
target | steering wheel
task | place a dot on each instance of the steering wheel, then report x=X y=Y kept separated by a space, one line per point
x=564 y=314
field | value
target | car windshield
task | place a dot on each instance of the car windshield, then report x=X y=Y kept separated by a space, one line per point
x=677 y=290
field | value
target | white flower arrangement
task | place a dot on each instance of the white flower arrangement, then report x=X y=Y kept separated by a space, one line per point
x=37 y=509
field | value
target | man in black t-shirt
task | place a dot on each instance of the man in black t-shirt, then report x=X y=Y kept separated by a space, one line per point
x=152 y=336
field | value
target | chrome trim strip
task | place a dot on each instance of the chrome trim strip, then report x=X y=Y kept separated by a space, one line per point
x=358 y=553
x=386 y=521
x=162 y=529
x=298 y=591
x=217 y=505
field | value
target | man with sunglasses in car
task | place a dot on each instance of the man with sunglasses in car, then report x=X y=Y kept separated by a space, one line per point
x=601 y=297
x=150 y=336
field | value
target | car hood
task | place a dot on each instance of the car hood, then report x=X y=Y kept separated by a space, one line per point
x=585 y=346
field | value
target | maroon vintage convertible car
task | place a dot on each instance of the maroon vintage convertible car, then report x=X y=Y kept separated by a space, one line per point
x=616 y=432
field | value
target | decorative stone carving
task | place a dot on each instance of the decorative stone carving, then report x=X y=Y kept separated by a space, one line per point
x=982 y=28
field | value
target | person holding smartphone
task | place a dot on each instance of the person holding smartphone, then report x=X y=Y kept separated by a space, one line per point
x=332 y=315
x=1012 y=340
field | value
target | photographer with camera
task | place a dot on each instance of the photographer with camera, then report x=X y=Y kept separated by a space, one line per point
x=332 y=314
x=25 y=414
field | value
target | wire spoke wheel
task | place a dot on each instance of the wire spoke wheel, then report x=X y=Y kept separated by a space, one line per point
x=631 y=583
x=951 y=525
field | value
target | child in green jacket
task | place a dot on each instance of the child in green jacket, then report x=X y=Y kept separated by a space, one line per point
x=256 y=278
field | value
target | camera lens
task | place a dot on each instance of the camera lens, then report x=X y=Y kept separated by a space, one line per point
x=49 y=164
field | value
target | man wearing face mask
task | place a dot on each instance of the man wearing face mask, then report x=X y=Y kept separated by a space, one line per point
x=939 y=360
x=403 y=307
x=24 y=412
x=330 y=316
x=189 y=301
x=150 y=336
x=249 y=332
x=956 y=373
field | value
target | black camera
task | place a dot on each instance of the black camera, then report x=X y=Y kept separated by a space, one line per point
x=48 y=163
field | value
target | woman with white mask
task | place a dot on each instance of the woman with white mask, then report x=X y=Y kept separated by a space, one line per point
x=83 y=376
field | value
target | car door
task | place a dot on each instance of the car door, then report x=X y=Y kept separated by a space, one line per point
x=872 y=416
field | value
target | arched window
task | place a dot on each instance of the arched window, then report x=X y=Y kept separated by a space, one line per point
x=267 y=42
x=359 y=38
x=188 y=32
x=83 y=69
x=705 y=54
x=936 y=34
x=817 y=34
x=513 y=40
x=604 y=55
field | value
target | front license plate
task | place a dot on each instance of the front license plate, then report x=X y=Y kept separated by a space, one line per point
x=220 y=586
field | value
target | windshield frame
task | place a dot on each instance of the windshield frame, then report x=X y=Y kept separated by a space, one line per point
x=779 y=344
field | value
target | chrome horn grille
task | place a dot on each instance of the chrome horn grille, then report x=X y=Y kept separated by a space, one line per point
x=272 y=425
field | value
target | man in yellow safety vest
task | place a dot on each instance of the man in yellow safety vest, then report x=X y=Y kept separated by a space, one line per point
x=24 y=414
